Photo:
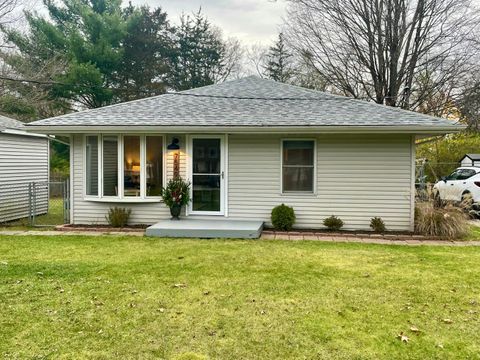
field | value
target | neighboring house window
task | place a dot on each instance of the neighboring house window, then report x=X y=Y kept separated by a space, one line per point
x=298 y=165
x=131 y=166
x=91 y=165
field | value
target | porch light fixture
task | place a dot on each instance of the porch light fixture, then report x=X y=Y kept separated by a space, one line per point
x=174 y=145
x=176 y=156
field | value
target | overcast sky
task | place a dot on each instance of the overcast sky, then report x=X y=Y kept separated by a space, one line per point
x=251 y=21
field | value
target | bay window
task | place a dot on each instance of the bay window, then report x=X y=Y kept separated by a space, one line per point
x=154 y=165
x=110 y=165
x=131 y=166
x=298 y=166
x=125 y=167
x=91 y=165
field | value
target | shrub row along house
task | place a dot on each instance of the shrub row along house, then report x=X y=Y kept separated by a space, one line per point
x=23 y=160
x=247 y=146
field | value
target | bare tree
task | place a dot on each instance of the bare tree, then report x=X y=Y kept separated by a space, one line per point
x=233 y=56
x=25 y=90
x=469 y=104
x=383 y=49
x=256 y=59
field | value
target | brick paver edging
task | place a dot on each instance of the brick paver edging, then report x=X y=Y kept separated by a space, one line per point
x=364 y=238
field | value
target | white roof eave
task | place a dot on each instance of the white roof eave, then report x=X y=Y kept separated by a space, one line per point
x=62 y=129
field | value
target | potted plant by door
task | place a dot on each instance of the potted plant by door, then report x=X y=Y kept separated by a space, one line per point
x=175 y=195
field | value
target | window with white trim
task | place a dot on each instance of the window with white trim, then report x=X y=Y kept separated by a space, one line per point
x=298 y=166
x=124 y=166
x=91 y=165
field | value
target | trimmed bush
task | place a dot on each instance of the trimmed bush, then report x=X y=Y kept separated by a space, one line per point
x=118 y=217
x=449 y=223
x=283 y=217
x=378 y=225
x=333 y=223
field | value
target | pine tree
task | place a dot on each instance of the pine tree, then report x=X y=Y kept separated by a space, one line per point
x=199 y=54
x=279 y=65
x=110 y=53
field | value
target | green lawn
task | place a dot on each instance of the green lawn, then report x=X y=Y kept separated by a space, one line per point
x=140 y=298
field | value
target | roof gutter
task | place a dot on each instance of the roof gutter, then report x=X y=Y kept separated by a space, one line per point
x=23 y=132
x=431 y=130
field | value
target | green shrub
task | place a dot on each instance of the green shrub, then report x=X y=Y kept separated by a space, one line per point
x=283 y=217
x=333 y=223
x=378 y=225
x=449 y=223
x=118 y=217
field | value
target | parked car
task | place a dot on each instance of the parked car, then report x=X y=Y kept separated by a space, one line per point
x=462 y=185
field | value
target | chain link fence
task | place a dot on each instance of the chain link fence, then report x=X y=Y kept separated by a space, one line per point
x=35 y=203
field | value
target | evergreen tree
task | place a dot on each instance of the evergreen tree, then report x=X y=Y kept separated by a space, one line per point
x=148 y=49
x=111 y=54
x=199 y=54
x=279 y=65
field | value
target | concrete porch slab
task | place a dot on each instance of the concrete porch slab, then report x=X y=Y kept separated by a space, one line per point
x=211 y=228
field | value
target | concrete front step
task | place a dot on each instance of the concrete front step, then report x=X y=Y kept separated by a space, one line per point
x=200 y=228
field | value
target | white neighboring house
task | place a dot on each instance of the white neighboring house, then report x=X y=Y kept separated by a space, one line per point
x=24 y=158
x=470 y=160
x=246 y=146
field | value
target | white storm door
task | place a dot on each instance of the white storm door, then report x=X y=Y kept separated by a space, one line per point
x=207 y=158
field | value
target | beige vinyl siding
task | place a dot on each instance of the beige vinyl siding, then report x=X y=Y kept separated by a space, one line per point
x=357 y=177
x=23 y=159
x=93 y=212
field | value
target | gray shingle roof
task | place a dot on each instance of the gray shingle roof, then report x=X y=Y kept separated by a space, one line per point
x=247 y=102
x=472 y=156
x=8 y=123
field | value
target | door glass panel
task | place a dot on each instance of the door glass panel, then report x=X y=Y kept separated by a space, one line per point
x=206 y=165
x=206 y=192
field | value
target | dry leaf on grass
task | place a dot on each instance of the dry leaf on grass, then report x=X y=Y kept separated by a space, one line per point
x=180 y=285
x=414 y=329
x=448 y=321
x=403 y=338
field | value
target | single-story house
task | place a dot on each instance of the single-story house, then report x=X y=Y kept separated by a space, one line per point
x=246 y=146
x=470 y=160
x=24 y=158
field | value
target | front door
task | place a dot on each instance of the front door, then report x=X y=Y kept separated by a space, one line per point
x=207 y=175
